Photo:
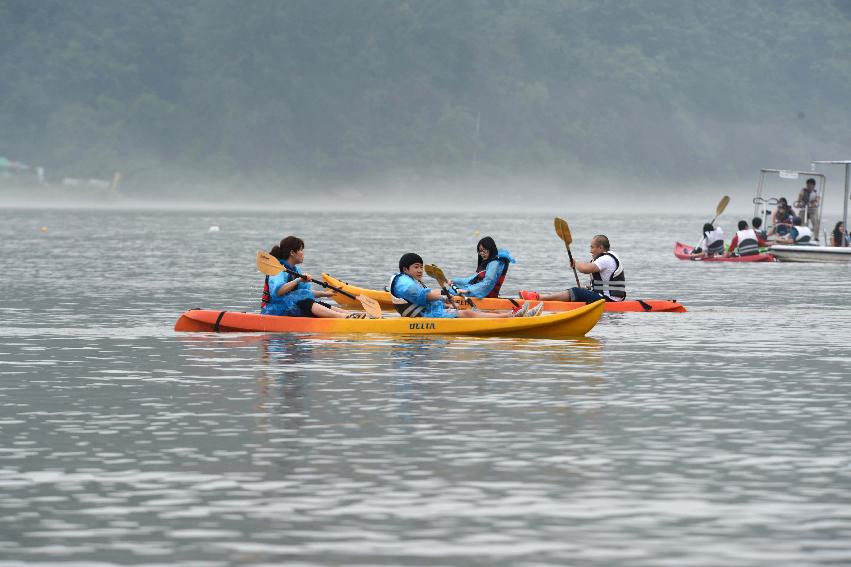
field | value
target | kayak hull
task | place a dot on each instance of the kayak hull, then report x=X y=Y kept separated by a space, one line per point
x=575 y=323
x=502 y=303
x=811 y=253
x=682 y=252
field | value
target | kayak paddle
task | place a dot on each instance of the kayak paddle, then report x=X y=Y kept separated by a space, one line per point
x=563 y=232
x=435 y=272
x=722 y=204
x=271 y=266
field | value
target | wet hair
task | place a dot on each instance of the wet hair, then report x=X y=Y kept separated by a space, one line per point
x=811 y=180
x=602 y=240
x=756 y=222
x=838 y=235
x=743 y=224
x=488 y=244
x=836 y=228
x=409 y=259
x=287 y=246
x=707 y=228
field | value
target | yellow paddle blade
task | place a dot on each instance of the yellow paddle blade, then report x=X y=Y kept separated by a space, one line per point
x=563 y=230
x=268 y=264
x=722 y=204
x=435 y=272
x=371 y=306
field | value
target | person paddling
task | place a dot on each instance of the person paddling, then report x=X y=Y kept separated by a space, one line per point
x=490 y=273
x=746 y=241
x=607 y=277
x=290 y=295
x=711 y=244
x=412 y=298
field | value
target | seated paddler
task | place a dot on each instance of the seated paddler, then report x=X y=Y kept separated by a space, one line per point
x=289 y=293
x=412 y=298
x=491 y=269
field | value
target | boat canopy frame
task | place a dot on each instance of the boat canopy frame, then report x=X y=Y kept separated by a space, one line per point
x=821 y=186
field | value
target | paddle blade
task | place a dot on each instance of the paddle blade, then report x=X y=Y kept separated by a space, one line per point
x=371 y=306
x=563 y=230
x=722 y=204
x=268 y=264
x=435 y=272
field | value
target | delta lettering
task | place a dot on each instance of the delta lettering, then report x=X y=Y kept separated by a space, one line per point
x=420 y=326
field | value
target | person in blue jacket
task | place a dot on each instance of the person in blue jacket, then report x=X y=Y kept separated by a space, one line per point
x=412 y=298
x=490 y=272
x=290 y=295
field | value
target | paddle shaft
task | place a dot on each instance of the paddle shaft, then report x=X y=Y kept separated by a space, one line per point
x=323 y=284
x=572 y=264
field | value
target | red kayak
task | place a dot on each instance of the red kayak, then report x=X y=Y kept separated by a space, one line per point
x=683 y=252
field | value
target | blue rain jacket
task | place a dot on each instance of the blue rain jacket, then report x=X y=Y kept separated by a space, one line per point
x=412 y=291
x=492 y=272
x=286 y=304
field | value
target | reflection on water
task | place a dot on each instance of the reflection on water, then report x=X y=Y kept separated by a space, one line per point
x=718 y=436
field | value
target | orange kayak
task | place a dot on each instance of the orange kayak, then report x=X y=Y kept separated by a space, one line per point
x=575 y=323
x=500 y=303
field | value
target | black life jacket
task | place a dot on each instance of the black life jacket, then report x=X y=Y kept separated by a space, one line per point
x=615 y=287
x=748 y=244
x=403 y=306
x=499 y=280
x=716 y=247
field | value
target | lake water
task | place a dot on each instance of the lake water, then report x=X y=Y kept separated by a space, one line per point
x=721 y=436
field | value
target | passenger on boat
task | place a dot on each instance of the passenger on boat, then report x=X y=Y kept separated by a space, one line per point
x=839 y=237
x=412 y=298
x=491 y=269
x=607 y=277
x=807 y=203
x=756 y=223
x=746 y=241
x=711 y=244
x=799 y=234
x=781 y=221
x=291 y=295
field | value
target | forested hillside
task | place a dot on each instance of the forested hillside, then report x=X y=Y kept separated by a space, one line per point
x=322 y=91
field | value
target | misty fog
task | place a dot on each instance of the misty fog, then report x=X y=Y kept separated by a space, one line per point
x=657 y=106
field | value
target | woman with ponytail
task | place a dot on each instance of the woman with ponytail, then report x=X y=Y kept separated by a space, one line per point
x=290 y=294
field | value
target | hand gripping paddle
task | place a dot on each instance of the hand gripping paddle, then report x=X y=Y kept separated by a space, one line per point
x=270 y=266
x=435 y=272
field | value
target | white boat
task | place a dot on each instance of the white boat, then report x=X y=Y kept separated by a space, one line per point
x=813 y=253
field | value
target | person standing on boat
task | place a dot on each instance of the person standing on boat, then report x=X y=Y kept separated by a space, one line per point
x=839 y=237
x=289 y=294
x=712 y=243
x=490 y=273
x=412 y=298
x=799 y=234
x=746 y=241
x=607 y=277
x=807 y=203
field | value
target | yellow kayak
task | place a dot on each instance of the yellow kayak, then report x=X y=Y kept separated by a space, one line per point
x=574 y=323
x=497 y=303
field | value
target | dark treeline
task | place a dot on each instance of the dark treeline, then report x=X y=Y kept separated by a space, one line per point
x=315 y=90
